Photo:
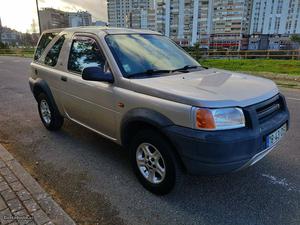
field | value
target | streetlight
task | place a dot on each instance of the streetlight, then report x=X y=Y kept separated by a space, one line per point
x=38 y=14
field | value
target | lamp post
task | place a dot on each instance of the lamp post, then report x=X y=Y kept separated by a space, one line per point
x=38 y=14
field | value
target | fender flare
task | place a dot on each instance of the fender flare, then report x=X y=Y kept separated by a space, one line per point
x=37 y=86
x=143 y=115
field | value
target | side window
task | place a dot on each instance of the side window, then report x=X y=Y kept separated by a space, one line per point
x=44 y=41
x=53 y=54
x=85 y=52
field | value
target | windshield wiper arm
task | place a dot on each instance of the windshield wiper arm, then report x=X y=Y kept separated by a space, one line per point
x=185 y=68
x=148 y=72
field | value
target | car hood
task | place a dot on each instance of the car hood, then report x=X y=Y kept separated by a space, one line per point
x=208 y=88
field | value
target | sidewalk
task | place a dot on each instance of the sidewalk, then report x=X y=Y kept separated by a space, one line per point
x=22 y=200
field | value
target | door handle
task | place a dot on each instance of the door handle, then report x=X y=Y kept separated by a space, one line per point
x=63 y=78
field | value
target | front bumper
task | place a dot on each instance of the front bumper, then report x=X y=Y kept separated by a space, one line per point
x=217 y=152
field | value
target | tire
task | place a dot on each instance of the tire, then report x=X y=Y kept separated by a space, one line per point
x=167 y=171
x=49 y=115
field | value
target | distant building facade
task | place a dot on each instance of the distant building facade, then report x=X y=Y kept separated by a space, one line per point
x=229 y=24
x=80 y=18
x=52 y=18
x=272 y=23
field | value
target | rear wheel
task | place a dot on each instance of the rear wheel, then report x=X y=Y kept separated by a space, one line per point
x=50 y=117
x=154 y=162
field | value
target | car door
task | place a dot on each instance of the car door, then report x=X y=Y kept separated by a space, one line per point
x=89 y=103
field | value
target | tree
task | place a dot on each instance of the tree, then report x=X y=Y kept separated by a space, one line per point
x=295 y=38
x=3 y=45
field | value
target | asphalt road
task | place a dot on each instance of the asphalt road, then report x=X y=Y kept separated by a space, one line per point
x=91 y=178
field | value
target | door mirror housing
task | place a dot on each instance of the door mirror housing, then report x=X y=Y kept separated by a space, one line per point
x=97 y=74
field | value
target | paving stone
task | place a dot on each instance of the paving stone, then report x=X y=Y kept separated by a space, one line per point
x=40 y=217
x=55 y=213
x=8 y=195
x=2 y=164
x=31 y=205
x=5 y=171
x=14 y=205
x=16 y=186
x=31 y=223
x=3 y=186
x=5 y=217
x=5 y=155
x=2 y=204
x=24 y=195
x=23 y=217
x=10 y=178
x=49 y=223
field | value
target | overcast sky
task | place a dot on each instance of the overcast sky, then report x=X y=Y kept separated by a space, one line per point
x=18 y=14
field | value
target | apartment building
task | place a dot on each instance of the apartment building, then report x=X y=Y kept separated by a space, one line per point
x=229 y=24
x=80 y=18
x=272 y=22
x=119 y=12
x=52 y=18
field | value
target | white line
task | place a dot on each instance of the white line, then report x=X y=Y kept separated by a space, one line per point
x=296 y=99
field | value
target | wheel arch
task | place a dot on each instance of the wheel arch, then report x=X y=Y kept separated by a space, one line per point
x=143 y=118
x=40 y=86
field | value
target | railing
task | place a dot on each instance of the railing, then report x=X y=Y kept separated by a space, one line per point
x=25 y=52
x=245 y=54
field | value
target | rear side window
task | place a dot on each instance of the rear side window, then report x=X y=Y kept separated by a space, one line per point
x=53 y=54
x=44 y=41
x=85 y=52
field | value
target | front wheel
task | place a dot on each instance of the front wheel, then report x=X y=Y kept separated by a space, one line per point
x=154 y=162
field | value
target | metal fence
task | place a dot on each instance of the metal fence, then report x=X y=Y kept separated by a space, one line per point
x=198 y=53
x=245 y=54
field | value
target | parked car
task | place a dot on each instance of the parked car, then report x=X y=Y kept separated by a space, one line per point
x=142 y=91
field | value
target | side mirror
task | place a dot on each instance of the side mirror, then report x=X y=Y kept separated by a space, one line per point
x=97 y=74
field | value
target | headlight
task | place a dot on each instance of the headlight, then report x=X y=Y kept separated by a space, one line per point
x=218 y=119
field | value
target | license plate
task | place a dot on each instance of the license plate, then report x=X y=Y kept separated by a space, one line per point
x=274 y=137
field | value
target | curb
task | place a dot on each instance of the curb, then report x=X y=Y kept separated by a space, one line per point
x=47 y=204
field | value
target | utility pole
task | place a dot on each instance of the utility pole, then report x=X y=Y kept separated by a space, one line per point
x=38 y=14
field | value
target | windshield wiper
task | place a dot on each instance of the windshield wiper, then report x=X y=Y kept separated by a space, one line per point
x=148 y=72
x=185 y=68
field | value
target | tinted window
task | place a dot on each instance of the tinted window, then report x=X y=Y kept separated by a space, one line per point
x=85 y=52
x=44 y=41
x=53 y=54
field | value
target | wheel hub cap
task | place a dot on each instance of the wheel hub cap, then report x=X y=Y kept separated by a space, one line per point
x=150 y=163
x=45 y=111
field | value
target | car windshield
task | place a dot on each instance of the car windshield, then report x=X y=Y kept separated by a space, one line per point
x=140 y=55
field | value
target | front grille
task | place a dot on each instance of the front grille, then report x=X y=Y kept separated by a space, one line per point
x=269 y=108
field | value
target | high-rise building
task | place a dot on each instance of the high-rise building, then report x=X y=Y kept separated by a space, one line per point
x=275 y=17
x=52 y=18
x=118 y=12
x=80 y=18
x=210 y=23
x=272 y=23
x=230 y=23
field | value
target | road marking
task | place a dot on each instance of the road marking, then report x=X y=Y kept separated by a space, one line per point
x=16 y=60
x=281 y=182
x=296 y=99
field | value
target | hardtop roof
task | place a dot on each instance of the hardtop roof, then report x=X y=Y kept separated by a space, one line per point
x=107 y=30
